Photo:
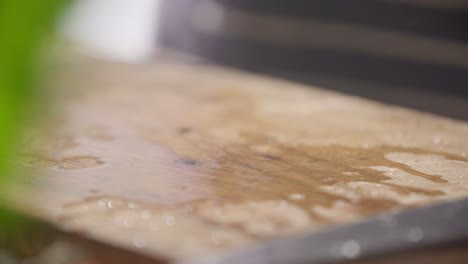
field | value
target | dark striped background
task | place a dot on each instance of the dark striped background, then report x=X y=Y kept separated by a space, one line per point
x=408 y=52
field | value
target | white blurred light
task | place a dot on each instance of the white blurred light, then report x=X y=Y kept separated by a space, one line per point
x=121 y=29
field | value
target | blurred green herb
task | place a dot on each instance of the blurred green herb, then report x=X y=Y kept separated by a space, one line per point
x=24 y=27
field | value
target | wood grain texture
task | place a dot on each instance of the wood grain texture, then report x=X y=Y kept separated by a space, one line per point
x=180 y=159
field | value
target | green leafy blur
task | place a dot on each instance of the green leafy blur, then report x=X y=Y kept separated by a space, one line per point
x=25 y=25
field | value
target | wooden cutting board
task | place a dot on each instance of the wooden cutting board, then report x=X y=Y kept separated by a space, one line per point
x=179 y=159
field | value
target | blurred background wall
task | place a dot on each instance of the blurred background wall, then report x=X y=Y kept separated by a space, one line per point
x=408 y=52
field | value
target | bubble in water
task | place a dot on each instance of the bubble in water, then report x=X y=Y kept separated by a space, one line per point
x=415 y=234
x=350 y=249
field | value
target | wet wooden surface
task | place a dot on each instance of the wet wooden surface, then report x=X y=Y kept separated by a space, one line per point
x=180 y=159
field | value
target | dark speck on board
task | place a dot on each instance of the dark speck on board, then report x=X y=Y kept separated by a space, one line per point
x=187 y=161
x=184 y=130
x=269 y=156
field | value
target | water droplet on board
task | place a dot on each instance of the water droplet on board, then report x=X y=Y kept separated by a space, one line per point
x=93 y=191
x=155 y=226
x=145 y=215
x=139 y=241
x=170 y=220
x=216 y=238
x=102 y=204
x=297 y=196
x=350 y=249
x=449 y=213
x=389 y=220
x=80 y=162
x=328 y=180
x=282 y=204
x=436 y=139
x=31 y=161
x=132 y=205
x=415 y=234
x=127 y=223
x=350 y=173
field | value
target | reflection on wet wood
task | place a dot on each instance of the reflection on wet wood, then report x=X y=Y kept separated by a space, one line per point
x=182 y=160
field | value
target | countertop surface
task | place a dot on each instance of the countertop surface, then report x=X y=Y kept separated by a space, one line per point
x=180 y=159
